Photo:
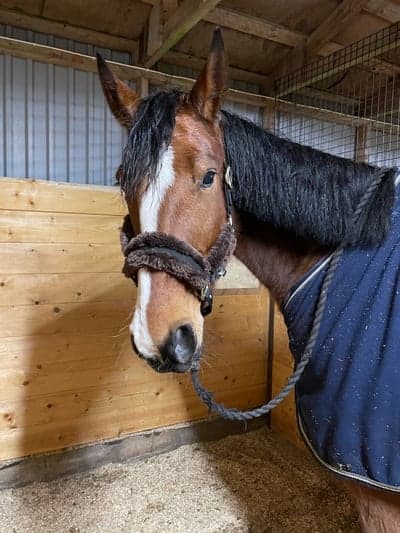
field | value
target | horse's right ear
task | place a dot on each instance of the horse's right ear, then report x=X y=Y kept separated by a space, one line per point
x=206 y=94
x=121 y=98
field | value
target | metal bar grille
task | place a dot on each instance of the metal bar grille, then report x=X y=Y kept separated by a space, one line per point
x=348 y=103
x=358 y=53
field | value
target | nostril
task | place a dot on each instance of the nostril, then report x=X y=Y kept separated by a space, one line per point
x=181 y=345
x=185 y=343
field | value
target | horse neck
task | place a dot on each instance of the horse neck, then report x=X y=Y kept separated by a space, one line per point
x=304 y=191
x=277 y=258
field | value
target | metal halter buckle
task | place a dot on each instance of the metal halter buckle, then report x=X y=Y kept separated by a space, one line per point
x=228 y=177
x=228 y=184
x=206 y=300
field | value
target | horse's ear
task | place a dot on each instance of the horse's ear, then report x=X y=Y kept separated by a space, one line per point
x=121 y=98
x=206 y=94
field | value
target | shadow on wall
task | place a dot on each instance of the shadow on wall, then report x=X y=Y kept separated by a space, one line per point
x=70 y=376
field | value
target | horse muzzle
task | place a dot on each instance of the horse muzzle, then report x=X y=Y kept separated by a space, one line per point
x=179 y=353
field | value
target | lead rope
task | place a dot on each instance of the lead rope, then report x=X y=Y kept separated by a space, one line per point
x=236 y=414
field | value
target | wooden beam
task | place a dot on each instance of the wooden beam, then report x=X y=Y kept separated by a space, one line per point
x=181 y=22
x=339 y=19
x=360 y=144
x=178 y=58
x=386 y=10
x=269 y=117
x=143 y=88
x=328 y=97
x=65 y=58
x=254 y=26
x=67 y=31
x=112 y=42
x=154 y=30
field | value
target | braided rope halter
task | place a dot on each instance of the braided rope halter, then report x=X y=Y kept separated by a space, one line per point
x=162 y=252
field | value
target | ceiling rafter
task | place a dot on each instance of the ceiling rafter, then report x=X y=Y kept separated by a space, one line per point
x=105 y=40
x=256 y=26
x=162 y=37
x=68 y=31
x=338 y=20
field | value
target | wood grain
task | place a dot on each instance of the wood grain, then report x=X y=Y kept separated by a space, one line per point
x=68 y=374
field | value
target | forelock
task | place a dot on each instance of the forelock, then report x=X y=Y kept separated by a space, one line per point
x=149 y=137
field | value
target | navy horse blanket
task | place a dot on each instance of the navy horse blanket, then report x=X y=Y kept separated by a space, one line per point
x=348 y=399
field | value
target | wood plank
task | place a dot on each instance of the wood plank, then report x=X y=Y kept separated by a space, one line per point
x=37 y=289
x=50 y=437
x=107 y=379
x=50 y=196
x=173 y=57
x=154 y=29
x=49 y=319
x=360 y=144
x=72 y=407
x=68 y=31
x=56 y=56
x=178 y=25
x=37 y=227
x=256 y=26
x=341 y=17
x=283 y=418
x=386 y=10
x=246 y=313
x=42 y=258
x=107 y=40
x=59 y=389
x=267 y=29
x=35 y=351
x=328 y=97
x=68 y=374
x=66 y=58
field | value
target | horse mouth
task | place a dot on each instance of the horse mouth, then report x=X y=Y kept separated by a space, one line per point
x=163 y=367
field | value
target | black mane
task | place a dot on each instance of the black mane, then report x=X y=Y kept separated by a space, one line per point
x=149 y=137
x=296 y=188
x=302 y=190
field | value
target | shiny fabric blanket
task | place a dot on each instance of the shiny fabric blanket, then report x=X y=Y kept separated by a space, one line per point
x=348 y=400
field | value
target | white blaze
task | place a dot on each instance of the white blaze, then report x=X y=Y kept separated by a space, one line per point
x=148 y=215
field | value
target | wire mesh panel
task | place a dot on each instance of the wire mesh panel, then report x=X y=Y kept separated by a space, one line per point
x=348 y=103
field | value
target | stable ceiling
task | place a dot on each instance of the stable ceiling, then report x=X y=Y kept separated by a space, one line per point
x=263 y=38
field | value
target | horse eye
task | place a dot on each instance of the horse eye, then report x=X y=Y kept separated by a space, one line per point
x=208 y=179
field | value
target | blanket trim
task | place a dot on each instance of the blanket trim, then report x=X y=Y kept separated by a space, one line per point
x=338 y=471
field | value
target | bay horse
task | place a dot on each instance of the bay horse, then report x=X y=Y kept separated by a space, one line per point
x=289 y=207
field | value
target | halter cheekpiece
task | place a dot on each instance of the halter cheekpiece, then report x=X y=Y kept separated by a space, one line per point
x=165 y=253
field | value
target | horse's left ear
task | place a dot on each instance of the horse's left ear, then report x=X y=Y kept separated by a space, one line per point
x=206 y=94
x=121 y=99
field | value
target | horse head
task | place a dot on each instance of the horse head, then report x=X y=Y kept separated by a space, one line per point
x=172 y=177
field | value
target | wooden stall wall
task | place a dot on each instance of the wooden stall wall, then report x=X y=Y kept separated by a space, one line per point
x=67 y=372
x=283 y=418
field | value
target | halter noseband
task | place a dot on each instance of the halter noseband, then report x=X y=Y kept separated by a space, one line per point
x=165 y=253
